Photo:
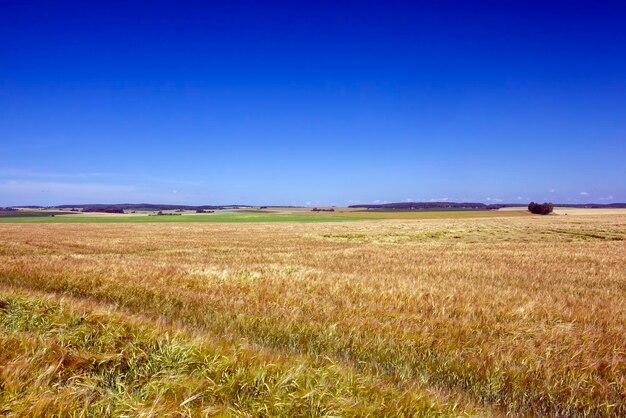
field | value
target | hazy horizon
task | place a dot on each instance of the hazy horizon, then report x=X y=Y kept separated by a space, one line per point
x=336 y=103
x=307 y=204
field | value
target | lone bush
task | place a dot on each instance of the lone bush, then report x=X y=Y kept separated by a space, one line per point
x=540 y=209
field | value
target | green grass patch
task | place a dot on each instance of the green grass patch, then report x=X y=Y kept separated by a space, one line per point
x=30 y=214
x=355 y=237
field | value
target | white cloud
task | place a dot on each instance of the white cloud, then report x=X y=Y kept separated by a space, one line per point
x=609 y=197
x=518 y=198
x=584 y=194
x=493 y=199
x=552 y=190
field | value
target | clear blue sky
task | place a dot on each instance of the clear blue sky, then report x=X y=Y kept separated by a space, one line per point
x=323 y=102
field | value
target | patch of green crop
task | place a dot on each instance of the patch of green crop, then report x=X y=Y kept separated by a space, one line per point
x=356 y=237
x=31 y=214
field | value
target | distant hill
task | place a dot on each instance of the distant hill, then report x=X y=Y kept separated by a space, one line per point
x=471 y=205
x=100 y=207
x=426 y=205
x=593 y=205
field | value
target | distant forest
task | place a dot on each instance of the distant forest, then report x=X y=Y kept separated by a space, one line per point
x=96 y=207
x=474 y=206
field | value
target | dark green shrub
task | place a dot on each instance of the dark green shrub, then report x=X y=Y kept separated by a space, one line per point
x=540 y=209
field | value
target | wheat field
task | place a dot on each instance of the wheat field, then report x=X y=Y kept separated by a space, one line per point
x=433 y=317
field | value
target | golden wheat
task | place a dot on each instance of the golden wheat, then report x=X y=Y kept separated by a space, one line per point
x=486 y=316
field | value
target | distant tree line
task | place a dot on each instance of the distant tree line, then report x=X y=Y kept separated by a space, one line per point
x=540 y=208
x=104 y=209
x=473 y=205
x=322 y=210
x=427 y=205
x=97 y=207
x=161 y=213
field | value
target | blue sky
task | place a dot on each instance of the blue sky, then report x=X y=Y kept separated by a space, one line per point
x=326 y=102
